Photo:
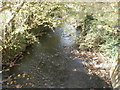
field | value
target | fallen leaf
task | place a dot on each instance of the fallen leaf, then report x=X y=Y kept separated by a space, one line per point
x=56 y=54
x=33 y=85
x=19 y=75
x=14 y=81
x=18 y=86
x=7 y=70
x=74 y=69
x=30 y=83
x=28 y=78
x=11 y=82
x=23 y=75
x=95 y=58
x=28 y=52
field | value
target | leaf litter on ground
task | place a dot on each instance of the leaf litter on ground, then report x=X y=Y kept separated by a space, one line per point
x=94 y=64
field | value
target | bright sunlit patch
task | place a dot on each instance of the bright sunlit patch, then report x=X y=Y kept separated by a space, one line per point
x=99 y=26
x=21 y=30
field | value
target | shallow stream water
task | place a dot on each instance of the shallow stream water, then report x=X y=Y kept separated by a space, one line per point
x=51 y=64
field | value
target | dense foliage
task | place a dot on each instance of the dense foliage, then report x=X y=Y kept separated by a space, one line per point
x=21 y=18
x=100 y=29
x=97 y=22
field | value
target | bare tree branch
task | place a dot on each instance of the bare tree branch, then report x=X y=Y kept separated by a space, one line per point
x=18 y=9
x=2 y=9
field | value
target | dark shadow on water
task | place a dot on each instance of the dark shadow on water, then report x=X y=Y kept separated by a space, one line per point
x=82 y=80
